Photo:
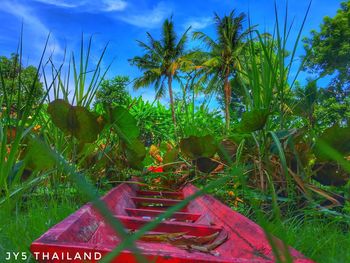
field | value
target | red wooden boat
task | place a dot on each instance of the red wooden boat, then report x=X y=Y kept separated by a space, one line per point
x=84 y=236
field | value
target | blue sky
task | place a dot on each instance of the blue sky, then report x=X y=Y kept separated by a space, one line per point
x=121 y=22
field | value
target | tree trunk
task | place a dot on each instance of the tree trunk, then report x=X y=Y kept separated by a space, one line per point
x=170 y=80
x=227 y=93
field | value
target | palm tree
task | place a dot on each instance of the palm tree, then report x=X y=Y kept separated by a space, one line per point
x=161 y=62
x=220 y=63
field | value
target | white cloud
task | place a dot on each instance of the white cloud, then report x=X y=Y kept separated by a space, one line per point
x=88 y=6
x=199 y=23
x=58 y=3
x=35 y=30
x=114 y=5
x=147 y=18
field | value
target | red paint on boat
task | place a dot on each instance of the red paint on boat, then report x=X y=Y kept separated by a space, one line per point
x=167 y=194
x=86 y=231
x=179 y=216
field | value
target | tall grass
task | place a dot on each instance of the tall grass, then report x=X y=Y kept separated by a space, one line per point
x=33 y=217
x=83 y=76
x=18 y=117
x=265 y=80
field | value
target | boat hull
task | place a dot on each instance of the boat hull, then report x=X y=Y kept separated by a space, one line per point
x=84 y=236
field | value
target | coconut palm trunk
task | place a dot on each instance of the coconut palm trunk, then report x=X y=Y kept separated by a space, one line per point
x=227 y=92
x=162 y=61
x=170 y=81
x=221 y=62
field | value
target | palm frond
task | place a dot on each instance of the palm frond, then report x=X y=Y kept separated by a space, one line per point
x=147 y=79
x=169 y=38
x=179 y=49
x=160 y=89
x=208 y=41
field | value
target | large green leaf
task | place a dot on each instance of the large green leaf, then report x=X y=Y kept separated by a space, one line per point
x=75 y=120
x=228 y=149
x=253 y=120
x=206 y=165
x=336 y=137
x=330 y=174
x=194 y=147
x=38 y=156
x=239 y=137
x=87 y=126
x=126 y=123
x=59 y=112
x=135 y=153
x=169 y=157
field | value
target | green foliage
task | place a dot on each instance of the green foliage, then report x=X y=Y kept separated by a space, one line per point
x=199 y=121
x=17 y=117
x=328 y=50
x=154 y=121
x=221 y=63
x=228 y=149
x=267 y=73
x=18 y=81
x=333 y=107
x=315 y=236
x=258 y=78
x=42 y=210
x=336 y=137
x=85 y=75
x=135 y=153
x=125 y=126
x=268 y=161
x=321 y=107
x=162 y=61
x=307 y=100
x=330 y=174
x=59 y=111
x=114 y=92
x=169 y=157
